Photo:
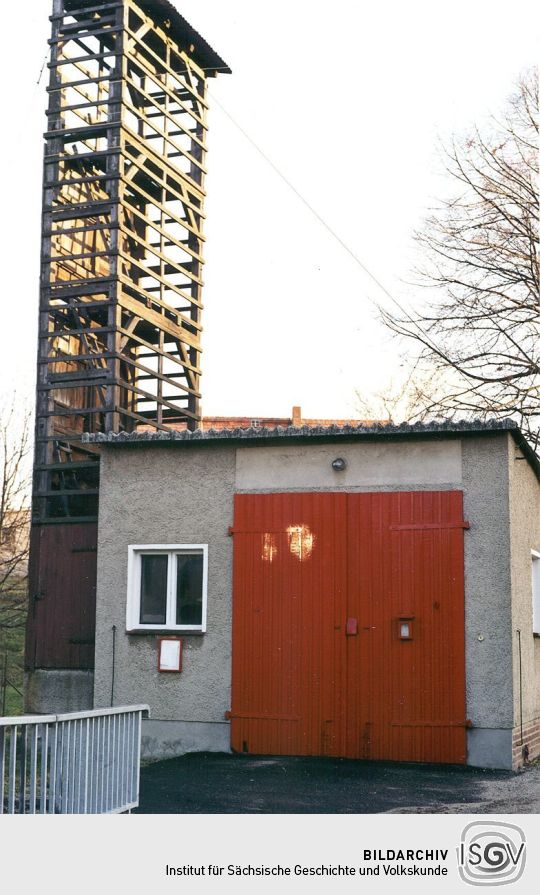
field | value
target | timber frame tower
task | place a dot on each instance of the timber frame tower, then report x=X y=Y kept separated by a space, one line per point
x=121 y=281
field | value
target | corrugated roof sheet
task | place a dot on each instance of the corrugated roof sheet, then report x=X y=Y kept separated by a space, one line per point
x=162 y=11
x=375 y=430
x=185 y=34
x=359 y=432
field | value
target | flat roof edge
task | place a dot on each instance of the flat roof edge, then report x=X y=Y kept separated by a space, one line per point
x=380 y=430
x=261 y=433
x=374 y=432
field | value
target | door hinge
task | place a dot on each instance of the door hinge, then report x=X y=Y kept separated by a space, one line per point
x=427 y=526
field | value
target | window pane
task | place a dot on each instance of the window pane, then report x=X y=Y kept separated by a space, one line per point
x=189 y=589
x=154 y=589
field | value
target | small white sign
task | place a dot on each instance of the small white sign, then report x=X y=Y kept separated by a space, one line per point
x=170 y=655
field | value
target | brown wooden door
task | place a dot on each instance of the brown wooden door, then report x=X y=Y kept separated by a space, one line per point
x=62 y=597
x=325 y=587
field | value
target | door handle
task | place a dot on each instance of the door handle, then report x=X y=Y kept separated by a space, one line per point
x=352 y=627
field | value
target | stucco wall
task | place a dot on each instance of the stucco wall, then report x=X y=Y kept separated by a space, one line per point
x=488 y=634
x=525 y=536
x=55 y=691
x=487 y=582
x=187 y=497
x=396 y=465
x=165 y=496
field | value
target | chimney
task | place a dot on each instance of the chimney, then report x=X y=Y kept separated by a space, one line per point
x=297 y=416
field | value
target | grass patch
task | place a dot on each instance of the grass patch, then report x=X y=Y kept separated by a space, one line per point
x=12 y=664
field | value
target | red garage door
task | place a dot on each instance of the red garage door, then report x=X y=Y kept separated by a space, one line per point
x=348 y=625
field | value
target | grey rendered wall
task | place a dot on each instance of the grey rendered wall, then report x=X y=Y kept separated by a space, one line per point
x=49 y=691
x=525 y=536
x=184 y=494
x=479 y=466
x=166 y=496
x=377 y=465
x=488 y=612
x=187 y=497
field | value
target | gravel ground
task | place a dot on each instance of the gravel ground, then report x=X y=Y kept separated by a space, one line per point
x=214 y=783
x=519 y=794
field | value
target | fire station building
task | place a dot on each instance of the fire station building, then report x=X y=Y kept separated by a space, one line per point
x=370 y=592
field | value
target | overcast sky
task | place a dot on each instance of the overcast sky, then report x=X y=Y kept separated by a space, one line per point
x=348 y=100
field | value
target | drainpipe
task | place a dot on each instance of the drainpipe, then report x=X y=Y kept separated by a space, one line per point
x=113 y=662
x=524 y=749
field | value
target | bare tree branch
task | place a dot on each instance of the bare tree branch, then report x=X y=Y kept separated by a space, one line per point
x=15 y=448
x=479 y=339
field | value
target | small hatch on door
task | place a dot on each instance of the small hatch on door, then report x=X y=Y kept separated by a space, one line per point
x=405 y=627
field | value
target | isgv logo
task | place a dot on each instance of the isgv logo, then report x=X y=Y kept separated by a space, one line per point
x=491 y=854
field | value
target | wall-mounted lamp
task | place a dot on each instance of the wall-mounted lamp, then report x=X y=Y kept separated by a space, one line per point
x=339 y=464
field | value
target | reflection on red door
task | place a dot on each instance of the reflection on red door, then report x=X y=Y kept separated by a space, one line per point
x=348 y=625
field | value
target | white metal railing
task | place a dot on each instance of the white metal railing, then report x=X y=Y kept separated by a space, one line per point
x=81 y=763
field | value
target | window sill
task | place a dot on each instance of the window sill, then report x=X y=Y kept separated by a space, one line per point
x=165 y=632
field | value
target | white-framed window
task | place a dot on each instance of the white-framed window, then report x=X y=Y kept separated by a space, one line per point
x=535 y=577
x=167 y=586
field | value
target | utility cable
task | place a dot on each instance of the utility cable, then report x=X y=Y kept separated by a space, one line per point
x=318 y=217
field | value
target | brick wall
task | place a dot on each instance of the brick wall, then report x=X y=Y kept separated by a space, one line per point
x=531 y=738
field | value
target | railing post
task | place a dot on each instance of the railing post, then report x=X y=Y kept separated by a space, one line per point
x=2 y=766
x=23 y=768
x=44 y=768
x=53 y=770
x=12 y=770
x=32 y=794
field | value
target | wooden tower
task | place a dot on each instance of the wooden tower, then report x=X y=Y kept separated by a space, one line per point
x=121 y=279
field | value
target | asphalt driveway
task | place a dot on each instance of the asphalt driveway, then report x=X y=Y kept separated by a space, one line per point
x=215 y=783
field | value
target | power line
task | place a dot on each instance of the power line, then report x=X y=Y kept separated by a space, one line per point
x=316 y=214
